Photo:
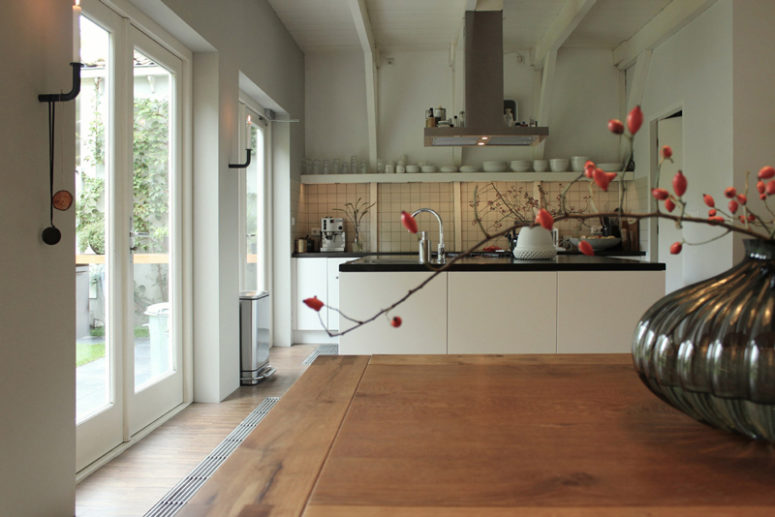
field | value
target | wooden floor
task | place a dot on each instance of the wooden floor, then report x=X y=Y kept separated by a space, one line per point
x=133 y=482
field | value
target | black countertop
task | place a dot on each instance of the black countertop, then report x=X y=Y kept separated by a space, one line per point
x=357 y=254
x=491 y=262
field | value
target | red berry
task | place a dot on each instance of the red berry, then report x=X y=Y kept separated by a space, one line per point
x=545 y=219
x=742 y=218
x=679 y=184
x=762 y=196
x=586 y=248
x=716 y=219
x=751 y=217
x=660 y=193
x=771 y=187
x=667 y=151
x=408 y=221
x=603 y=178
x=730 y=192
x=766 y=172
x=615 y=126
x=733 y=206
x=396 y=321
x=669 y=205
x=742 y=198
x=708 y=199
x=760 y=186
x=676 y=248
x=589 y=169
x=634 y=119
x=712 y=212
x=313 y=303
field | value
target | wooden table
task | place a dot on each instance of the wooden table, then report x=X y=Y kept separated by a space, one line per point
x=493 y=435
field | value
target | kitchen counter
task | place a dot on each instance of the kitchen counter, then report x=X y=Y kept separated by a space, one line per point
x=358 y=254
x=491 y=262
x=485 y=435
x=482 y=304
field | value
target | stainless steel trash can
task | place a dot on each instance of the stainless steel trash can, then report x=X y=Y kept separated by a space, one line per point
x=254 y=333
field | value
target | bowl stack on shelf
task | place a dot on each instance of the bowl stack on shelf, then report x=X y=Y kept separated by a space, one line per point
x=559 y=164
x=521 y=165
x=494 y=166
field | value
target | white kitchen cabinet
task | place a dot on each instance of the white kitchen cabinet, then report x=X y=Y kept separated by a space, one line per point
x=311 y=280
x=597 y=310
x=502 y=312
x=332 y=296
x=424 y=315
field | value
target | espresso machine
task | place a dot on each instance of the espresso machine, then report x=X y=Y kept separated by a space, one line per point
x=332 y=234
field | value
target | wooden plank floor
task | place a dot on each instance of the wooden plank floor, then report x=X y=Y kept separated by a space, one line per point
x=133 y=482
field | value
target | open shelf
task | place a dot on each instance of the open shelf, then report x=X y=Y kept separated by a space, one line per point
x=444 y=177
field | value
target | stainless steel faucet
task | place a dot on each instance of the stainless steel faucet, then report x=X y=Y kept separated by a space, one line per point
x=441 y=257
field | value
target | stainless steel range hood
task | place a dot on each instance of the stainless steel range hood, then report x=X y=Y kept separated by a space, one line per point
x=484 y=91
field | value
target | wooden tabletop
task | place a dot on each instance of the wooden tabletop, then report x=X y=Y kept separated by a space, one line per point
x=559 y=435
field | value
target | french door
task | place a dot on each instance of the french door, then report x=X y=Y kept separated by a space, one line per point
x=128 y=233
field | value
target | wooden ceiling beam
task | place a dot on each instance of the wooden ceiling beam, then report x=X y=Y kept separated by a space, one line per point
x=562 y=27
x=370 y=58
x=667 y=22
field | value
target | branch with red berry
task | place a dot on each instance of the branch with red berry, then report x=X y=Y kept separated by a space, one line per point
x=737 y=218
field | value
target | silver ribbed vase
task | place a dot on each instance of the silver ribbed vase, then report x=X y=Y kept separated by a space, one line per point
x=709 y=349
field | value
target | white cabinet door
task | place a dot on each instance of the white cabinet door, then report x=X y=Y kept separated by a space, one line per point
x=332 y=299
x=311 y=280
x=504 y=312
x=424 y=315
x=597 y=310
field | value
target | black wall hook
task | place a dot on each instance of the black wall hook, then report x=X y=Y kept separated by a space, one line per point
x=72 y=94
x=242 y=165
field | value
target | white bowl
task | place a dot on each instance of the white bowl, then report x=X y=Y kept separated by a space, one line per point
x=559 y=164
x=610 y=166
x=412 y=168
x=534 y=243
x=448 y=168
x=577 y=162
x=429 y=168
x=494 y=166
x=540 y=165
x=521 y=165
x=467 y=168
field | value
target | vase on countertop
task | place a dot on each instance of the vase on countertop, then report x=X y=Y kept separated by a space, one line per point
x=709 y=349
x=357 y=245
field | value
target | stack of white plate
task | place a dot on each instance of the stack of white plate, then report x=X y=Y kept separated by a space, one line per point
x=559 y=164
x=521 y=165
x=467 y=168
x=577 y=162
x=494 y=166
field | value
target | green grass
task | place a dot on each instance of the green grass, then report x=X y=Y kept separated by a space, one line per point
x=88 y=352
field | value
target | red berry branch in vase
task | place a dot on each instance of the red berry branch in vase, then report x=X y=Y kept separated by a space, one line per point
x=737 y=218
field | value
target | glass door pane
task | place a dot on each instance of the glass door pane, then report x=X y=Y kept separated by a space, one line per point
x=93 y=351
x=254 y=208
x=150 y=242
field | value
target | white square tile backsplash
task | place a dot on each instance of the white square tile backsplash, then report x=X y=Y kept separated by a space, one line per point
x=317 y=201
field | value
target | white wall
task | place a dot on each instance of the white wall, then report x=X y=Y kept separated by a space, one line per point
x=335 y=119
x=753 y=73
x=411 y=82
x=248 y=39
x=693 y=70
x=37 y=292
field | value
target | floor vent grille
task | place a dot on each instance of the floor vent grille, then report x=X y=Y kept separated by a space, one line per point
x=181 y=493
x=321 y=350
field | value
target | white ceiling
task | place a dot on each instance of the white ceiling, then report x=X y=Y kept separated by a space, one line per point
x=328 y=25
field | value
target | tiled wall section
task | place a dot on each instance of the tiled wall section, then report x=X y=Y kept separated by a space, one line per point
x=317 y=201
x=394 y=197
x=495 y=215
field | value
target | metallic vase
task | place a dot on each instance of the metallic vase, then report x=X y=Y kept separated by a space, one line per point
x=709 y=349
